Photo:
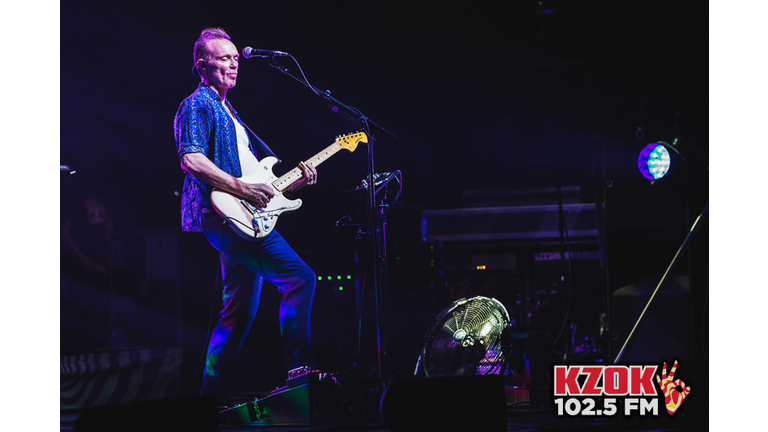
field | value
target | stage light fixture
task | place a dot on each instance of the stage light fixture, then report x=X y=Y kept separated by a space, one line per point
x=677 y=167
x=659 y=159
x=654 y=161
x=664 y=161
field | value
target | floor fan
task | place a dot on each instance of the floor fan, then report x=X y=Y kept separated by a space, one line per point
x=471 y=337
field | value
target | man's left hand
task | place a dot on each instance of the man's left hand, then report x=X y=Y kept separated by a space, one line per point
x=308 y=178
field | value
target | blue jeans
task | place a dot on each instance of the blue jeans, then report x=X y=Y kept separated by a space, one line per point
x=245 y=265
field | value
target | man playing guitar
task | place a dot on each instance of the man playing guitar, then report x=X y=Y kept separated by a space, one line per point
x=216 y=150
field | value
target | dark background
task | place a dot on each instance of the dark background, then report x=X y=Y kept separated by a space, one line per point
x=483 y=97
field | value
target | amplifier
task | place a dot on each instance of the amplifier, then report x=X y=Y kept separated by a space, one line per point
x=557 y=256
x=508 y=223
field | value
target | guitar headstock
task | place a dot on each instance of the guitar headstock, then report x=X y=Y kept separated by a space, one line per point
x=349 y=141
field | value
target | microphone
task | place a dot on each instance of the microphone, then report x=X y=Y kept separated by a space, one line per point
x=249 y=52
x=378 y=178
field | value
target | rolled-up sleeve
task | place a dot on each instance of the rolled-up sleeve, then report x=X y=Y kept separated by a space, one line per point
x=192 y=127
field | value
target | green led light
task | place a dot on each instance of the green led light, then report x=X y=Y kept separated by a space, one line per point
x=329 y=278
x=349 y=276
x=319 y=278
x=338 y=277
x=341 y=288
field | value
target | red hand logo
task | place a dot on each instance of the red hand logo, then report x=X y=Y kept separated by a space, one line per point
x=668 y=384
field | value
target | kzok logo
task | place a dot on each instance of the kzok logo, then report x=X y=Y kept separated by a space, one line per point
x=673 y=397
x=576 y=385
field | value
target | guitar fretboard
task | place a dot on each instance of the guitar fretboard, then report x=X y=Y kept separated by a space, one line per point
x=295 y=174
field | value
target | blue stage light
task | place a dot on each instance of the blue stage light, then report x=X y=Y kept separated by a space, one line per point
x=654 y=161
x=677 y=167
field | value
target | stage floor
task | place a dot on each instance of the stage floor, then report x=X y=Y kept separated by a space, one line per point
x=517 y=421
x=466 y=404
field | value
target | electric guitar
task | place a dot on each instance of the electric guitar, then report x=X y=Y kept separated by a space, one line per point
x=251 y=223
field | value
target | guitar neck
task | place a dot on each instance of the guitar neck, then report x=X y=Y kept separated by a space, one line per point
x=295 y=174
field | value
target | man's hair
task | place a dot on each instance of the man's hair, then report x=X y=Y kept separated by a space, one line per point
x=201 y=46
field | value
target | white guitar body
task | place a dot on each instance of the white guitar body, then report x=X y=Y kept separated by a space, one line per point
x=252 y=224
x=242 y=216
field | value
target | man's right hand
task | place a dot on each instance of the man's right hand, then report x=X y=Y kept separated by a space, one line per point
x=258 y=194
x=197 y=164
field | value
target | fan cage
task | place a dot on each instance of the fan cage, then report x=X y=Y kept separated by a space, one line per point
x=467 y=339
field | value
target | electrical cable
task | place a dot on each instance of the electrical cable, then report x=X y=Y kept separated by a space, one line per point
x=399 y=178
x=311 y=87
x=599 y=187
x=360 y=320
x=565 y=241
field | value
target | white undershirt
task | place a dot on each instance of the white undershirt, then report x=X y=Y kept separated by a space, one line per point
x=248 y=162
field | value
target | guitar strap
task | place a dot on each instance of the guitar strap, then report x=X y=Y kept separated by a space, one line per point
x=262 y=145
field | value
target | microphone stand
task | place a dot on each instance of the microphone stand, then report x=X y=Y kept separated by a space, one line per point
x=376 y=217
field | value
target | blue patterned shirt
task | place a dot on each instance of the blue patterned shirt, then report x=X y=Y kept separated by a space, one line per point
x=202 y=125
